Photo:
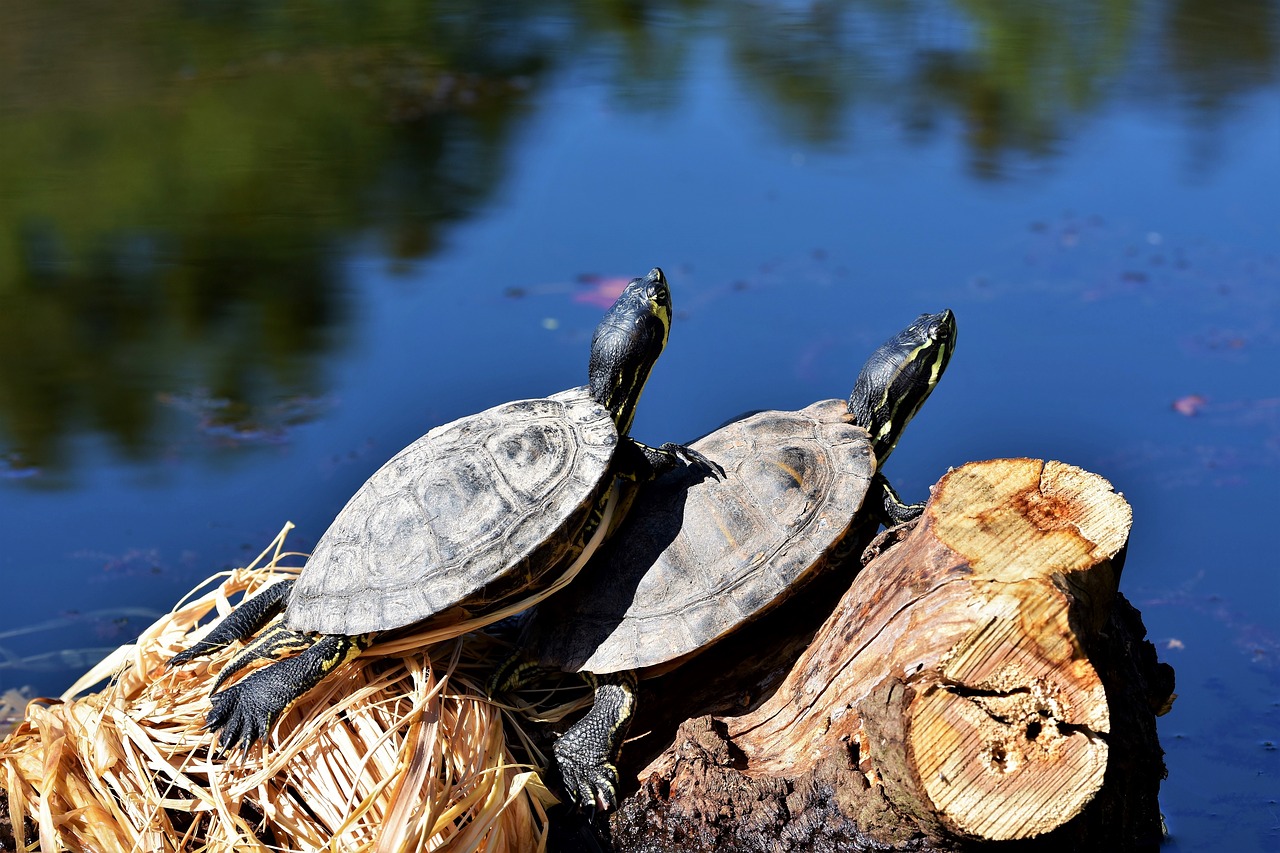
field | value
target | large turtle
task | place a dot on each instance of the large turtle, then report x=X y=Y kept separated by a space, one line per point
x=696 y=560
x=469 y=517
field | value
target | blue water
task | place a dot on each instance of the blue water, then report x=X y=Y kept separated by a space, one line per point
x=1116 y=256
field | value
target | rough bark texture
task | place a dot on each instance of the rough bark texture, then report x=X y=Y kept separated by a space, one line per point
x=979 y=681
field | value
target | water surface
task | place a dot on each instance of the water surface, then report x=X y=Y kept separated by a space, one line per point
x=246 y=255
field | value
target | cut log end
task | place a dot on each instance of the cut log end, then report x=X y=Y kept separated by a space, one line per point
x=1014 y=519
x=1002 y=765
x=957 y=669
x=1006 y=734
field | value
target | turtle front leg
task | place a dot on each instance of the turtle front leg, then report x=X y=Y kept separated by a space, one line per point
x=640 y=462
x=587 y=753
x=244 y=621
x=275 y=643
x=244 y=713
x=895 y=511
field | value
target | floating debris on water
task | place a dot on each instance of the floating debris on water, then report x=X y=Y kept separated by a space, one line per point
x=133 y=563
x=240 y=423
x=14 y=467
x=601 y=291
x=1189 y=405
x=334 y=462
x=1258 y=642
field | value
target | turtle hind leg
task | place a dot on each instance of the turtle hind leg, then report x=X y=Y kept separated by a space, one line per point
x=587 y=753
x=242 y=622
x=512 y=674
x=277 y=643
x=244 y=713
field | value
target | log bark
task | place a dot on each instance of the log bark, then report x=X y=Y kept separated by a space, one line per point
x=979 y=681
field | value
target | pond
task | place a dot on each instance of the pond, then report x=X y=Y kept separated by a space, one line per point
x=248 y=252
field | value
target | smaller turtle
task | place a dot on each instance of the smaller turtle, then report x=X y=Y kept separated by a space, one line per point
x=696 y=560
x=468 y=518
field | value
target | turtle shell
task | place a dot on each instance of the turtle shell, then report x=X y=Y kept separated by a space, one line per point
x=699 y=557
x=473 y=512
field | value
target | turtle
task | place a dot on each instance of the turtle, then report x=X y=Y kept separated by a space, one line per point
x=695 y=560
x=469 y=517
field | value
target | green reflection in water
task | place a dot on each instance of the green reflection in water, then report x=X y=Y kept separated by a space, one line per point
x=175 y=186
x=175 y=179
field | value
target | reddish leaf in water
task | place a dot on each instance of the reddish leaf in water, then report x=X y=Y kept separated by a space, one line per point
x=601 y=292
x=1189 y=405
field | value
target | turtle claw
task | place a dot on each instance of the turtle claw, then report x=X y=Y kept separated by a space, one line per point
x=589 y=784
x=198 y=650
x=693 y=458
x=241 y=717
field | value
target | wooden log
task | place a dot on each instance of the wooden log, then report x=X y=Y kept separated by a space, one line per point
x=957 y=694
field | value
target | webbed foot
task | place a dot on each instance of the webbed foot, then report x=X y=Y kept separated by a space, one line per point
x=586 y=753
x=590 y=780
x=244 y=713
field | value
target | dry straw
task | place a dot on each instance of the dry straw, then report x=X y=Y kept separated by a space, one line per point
x=399 y=750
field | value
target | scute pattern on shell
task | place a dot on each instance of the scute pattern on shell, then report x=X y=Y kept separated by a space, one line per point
x=456 y=510
x=697 y=558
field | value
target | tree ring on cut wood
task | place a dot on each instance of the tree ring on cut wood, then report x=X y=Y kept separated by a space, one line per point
x=1010 y=738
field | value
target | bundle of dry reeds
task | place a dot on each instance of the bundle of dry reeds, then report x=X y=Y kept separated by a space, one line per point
x=400 y=750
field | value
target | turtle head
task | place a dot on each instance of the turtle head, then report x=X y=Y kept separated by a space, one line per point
x=899 y=377
x=627 y=343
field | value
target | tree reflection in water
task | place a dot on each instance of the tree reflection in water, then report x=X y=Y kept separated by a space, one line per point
x=178 y=180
